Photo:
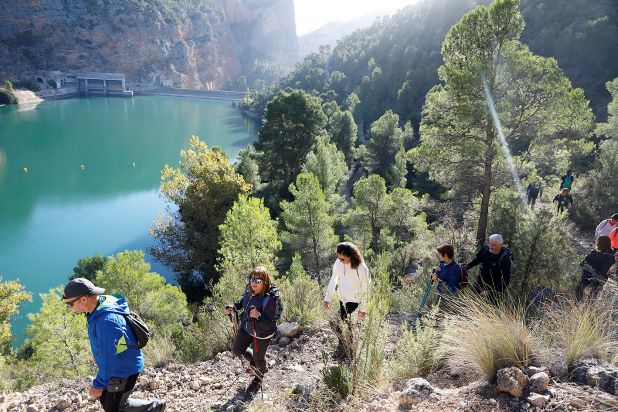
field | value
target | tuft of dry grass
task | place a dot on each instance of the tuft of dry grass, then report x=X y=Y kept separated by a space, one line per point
x=482 y=338
x=579 y=330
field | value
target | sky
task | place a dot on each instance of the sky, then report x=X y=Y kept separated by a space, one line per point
x=313 y=14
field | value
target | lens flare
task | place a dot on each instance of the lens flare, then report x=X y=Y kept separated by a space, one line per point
x=507 y=152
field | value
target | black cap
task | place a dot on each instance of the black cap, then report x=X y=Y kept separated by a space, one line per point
x=81 y=287
x=614 y=216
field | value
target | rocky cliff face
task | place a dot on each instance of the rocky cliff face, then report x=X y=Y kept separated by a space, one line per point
x=198 y=44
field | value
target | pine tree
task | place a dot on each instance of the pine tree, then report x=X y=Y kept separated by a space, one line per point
x=308 y=225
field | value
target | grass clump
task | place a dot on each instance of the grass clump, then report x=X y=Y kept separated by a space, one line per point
x=482 y=337
x=580 y=330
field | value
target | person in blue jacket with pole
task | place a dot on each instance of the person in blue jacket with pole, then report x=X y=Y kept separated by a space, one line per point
x=113 y=344
x=448 y=274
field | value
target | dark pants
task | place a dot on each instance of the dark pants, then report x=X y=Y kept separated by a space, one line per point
x=532 y=200
x=119 y=401
x=594 y=282
x=257 y=356
x=114 y=401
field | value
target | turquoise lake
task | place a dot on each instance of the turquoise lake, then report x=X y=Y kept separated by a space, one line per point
x=58 y=212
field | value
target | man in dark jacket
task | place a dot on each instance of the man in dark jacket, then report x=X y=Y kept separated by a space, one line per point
x=532 y=193
x=113 y=345
x=564 y=200
x=496 y=265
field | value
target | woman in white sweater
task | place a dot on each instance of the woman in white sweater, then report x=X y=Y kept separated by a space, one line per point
x=351 y=279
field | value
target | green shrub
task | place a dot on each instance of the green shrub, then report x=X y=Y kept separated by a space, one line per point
x=337 y=378
x=368 y=348
x=59 y=343
x=420 y=353
x=52 y=83
x=301 y=296
x=540 y=242
x=7 y=97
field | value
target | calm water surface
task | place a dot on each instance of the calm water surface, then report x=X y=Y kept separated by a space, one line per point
x=57 y=212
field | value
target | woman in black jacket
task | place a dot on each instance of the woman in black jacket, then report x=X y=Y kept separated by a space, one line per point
x=261 y=307
x=595 y=266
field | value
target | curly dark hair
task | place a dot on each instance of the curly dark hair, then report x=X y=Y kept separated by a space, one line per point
x=260 y=272
x=350 y=250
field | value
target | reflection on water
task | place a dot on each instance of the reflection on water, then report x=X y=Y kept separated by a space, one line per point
x=57 y=213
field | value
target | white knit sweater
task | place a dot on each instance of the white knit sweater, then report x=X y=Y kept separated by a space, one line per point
x=352 y=284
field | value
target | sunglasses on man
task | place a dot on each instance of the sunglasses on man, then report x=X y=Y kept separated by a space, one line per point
x=255 y=280
x=72 y=302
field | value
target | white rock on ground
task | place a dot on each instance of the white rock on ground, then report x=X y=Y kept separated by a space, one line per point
x=538 y=400
x=539 y=382
x=416 y=390
x=290 y=329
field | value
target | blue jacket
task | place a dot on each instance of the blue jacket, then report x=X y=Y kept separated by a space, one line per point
x=451 y=275
x=112 y=341
x=270 y=307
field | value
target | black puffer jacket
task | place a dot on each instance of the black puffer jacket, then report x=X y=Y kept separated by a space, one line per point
x=270 y=308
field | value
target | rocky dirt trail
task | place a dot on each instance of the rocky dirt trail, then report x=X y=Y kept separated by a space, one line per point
x=294 y=367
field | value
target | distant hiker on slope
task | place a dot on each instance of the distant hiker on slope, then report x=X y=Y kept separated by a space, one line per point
x=261 y=308
x=563 y=200
x=496 y=266
x=606 y=226
x=114 y=346
x=595 y=266
x=350 y=277
x=566 y=181
x=532 y=193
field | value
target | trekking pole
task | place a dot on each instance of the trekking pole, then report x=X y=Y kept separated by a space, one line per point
x=419 y=313
x=255 y=359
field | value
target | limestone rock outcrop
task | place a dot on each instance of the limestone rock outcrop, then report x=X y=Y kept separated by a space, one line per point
x=192 y=44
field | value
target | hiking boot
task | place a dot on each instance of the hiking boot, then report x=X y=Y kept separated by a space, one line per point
x=255 y=385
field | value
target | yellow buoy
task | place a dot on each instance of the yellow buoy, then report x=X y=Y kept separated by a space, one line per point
x=25 y=170
x=82 y=167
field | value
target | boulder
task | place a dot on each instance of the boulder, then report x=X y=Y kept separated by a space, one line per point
x=416 y=390
x=538 y=400
x=539 y=382
x=284 y=341
x=541 y=296
x=290 y=329
x=602 y=375
x=512 y=381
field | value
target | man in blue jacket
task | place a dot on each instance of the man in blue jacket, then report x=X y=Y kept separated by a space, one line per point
x=113 y=346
